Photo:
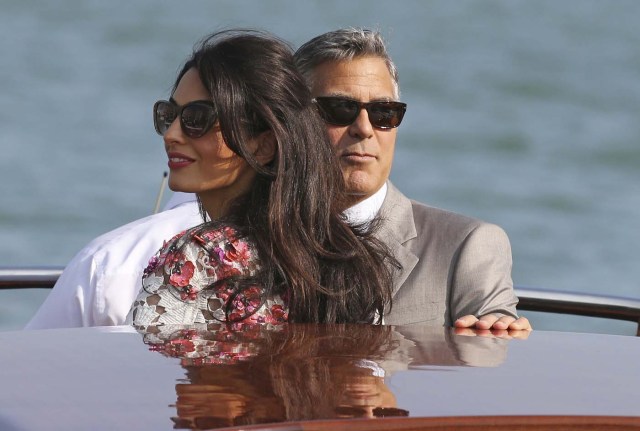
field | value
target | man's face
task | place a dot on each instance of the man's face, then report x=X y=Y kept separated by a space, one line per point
x=365 y=153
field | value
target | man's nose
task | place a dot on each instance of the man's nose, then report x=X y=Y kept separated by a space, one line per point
x=361 y=127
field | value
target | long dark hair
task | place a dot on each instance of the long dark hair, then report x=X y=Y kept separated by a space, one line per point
x=330 y=271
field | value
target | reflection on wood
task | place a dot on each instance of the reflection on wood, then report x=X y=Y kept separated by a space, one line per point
x=243 y=374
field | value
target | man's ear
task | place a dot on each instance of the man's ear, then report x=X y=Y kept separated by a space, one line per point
x=266 y=147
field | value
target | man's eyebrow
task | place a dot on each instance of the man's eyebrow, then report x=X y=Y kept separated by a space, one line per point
x=350 y=97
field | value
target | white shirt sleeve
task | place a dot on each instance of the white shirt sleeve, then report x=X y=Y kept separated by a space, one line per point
x=100 y=283
x=179 y=198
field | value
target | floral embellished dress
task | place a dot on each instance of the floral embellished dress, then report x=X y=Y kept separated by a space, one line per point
x=186 y=282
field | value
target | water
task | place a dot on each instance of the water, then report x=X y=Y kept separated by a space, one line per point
x=523 y=113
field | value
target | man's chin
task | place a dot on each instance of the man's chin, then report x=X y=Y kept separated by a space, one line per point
x=357 y=195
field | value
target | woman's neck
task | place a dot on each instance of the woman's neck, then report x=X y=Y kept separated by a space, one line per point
x=217 y=202
x=215 y=208
x=218 y=206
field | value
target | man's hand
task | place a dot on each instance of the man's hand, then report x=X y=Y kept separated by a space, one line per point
x=491 y=321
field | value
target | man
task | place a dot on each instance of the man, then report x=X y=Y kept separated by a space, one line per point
x=454 y=268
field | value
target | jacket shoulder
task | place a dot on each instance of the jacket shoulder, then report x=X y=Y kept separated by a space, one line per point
x=429 y=218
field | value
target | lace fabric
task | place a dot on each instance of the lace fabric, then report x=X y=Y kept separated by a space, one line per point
x=186 y=281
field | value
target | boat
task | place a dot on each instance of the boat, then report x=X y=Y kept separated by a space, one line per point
x=321 y=377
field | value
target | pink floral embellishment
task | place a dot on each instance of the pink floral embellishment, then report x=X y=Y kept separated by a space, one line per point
x=153 y=264
x=211 y=235
x=182 y=278
x=219 y=253
x=230 y=233
x=238 y=251
x=278 y=312
x=225 y=271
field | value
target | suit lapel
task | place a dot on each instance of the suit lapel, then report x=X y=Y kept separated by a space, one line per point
x=396 y=229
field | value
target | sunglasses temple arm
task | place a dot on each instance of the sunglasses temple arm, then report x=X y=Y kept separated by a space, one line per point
x=163 y=185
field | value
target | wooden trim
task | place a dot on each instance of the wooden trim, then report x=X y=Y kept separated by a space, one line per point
x=474 y=423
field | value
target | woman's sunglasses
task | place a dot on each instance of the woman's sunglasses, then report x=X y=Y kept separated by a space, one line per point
x=196 y=118
x=343 y=112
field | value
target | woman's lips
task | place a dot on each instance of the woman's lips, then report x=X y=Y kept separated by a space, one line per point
x=177 y=160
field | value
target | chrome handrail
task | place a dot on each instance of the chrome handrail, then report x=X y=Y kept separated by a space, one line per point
x=29 y=277
x=531 y=299
x=579 y=304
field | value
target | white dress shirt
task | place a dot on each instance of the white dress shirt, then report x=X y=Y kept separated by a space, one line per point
x=100 y=283
x=365 y=211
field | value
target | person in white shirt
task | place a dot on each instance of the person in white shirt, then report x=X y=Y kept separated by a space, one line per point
x=100 y=283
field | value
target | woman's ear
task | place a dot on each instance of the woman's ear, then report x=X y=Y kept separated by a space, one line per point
x=266 y=147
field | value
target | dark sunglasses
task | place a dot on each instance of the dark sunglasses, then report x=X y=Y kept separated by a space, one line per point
x=196 y=118
x=343 y=112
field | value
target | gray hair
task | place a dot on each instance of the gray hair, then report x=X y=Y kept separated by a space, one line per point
x=344 y=45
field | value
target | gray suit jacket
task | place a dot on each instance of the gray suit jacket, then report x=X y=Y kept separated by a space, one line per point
x=452 y=265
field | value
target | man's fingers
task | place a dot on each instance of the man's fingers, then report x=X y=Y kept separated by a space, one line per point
x=521 y=324
x=467 y=321
x=494 y=322
x=489 y=320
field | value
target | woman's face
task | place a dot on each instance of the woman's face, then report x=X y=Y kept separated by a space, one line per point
x=204 y=165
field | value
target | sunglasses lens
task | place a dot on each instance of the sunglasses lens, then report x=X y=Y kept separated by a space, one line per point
x=340 y=112
x=386 y=115
x=196 y=119
x=164 y=113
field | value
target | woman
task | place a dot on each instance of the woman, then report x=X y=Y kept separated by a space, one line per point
x=242 y=132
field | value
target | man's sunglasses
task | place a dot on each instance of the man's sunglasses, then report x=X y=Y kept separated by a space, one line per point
x=343 y=112
x=196 y=118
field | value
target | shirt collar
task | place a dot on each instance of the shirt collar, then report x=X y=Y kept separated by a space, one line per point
x=365 y=211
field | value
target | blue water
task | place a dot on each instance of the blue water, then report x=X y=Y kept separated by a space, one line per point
x=521 y=112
